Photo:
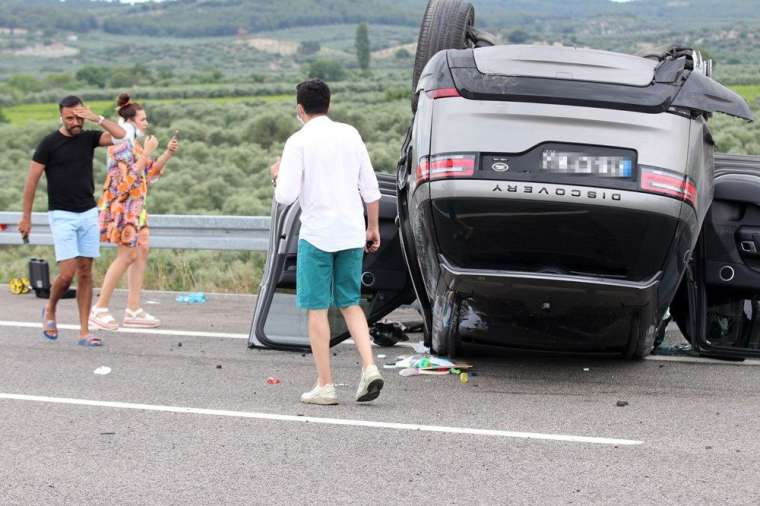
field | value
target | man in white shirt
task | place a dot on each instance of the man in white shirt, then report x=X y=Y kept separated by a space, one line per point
x=325 y=165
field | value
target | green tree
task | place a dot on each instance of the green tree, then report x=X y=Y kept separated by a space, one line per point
x=309 y=47
x=24 y=83
x=362 y=46
x=122 y=77
x=327 y=70
x=3 y=117
x=518 y=36
x=94 y=75
x=61 y=80
x=402 y=54
x=165 y=72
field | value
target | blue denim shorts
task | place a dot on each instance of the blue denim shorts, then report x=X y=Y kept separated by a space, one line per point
x=325 y=278
x=75 y=234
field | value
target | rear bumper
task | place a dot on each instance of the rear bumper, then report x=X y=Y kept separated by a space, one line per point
x=551 y=228
x=549 y=312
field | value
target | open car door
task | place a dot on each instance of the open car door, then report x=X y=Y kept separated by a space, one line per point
x=279 y=324
x=725 y=300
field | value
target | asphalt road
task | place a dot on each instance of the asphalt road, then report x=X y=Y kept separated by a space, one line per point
x=190 y=419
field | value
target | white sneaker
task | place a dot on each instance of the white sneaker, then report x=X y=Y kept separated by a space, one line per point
x=324 y=395
x=370 y=384
x=140 y=319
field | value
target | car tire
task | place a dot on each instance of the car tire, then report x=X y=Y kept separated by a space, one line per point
x=445 y=25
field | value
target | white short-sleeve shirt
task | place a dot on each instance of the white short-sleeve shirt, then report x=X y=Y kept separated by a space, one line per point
x=326 y=166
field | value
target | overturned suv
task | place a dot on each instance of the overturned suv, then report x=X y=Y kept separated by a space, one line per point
x=554 y=198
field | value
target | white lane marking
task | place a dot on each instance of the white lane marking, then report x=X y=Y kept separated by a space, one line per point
x=125 y=330
x=412 y=345
x=324 y=421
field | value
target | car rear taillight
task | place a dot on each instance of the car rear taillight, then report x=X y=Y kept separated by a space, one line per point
x=445 y=166
x=669 y=183
x=443 y=93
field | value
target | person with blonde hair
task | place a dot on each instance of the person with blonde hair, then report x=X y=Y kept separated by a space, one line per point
x=123 y=218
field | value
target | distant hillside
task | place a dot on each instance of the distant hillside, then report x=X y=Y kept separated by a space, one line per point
x=193 y=18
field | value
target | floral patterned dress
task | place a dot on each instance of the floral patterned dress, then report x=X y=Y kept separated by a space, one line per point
x=122 y=206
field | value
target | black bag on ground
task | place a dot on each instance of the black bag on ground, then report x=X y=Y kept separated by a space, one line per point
x=39 y=277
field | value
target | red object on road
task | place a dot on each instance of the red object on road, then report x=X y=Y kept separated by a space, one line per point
x=273 y=381
x=3 y=227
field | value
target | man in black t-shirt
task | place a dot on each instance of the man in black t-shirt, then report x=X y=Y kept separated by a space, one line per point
x=65 y=156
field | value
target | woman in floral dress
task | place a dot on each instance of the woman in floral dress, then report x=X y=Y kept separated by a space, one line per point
x=123 y=218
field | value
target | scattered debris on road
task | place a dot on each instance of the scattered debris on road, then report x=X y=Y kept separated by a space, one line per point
x=675 y=350
x=621 y=404
x=102 y=370
x=273 y=381
x=191 y=298
x=424 y=364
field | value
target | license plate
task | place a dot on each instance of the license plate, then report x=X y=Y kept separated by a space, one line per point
x=586 y=164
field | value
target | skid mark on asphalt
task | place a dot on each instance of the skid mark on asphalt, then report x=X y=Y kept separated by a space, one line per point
x=324 y=421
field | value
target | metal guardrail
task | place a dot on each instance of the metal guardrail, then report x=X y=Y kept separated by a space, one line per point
x=247 y=233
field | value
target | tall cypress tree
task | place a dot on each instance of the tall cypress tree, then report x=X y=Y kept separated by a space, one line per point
x=362 y=46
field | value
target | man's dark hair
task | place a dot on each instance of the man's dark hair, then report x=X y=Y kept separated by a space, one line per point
x=314 y=96
x=70 y=101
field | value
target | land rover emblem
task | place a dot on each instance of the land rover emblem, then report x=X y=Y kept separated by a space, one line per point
x=500 y=167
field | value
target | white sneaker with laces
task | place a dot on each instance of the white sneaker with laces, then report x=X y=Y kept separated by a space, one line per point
x=370 y=384
x=324 y=395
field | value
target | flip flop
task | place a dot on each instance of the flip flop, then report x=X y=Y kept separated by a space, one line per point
x=49 y=328
x=91 y=341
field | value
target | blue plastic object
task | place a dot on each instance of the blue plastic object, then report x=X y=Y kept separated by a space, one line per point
x=192 y=298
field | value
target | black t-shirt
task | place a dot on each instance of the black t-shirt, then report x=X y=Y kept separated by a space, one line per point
x=68 y=168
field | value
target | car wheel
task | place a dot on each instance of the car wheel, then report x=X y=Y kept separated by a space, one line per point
x=445 y=25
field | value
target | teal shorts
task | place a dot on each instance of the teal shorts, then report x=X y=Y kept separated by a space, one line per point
x=325 y=278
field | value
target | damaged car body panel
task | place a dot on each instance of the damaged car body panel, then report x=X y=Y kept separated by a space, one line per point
x=279 y=324
x=726 y=287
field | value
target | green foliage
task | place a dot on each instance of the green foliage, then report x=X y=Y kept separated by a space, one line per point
x=518 y=37
x=3 y=117
x=309 y=47
x=397 y=93
x=181 y=270
x=327 y=70
x=362 y=46
x=126 y=77
x=269 y=128
x=24 y=83
x=61 y=80
x=94 y=75
x=402 y=54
